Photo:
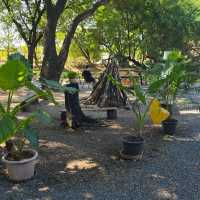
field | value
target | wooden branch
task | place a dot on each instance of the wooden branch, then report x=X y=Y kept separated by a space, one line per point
x=40 y=13
x=28 y=6
x=60 y=6
x=39 y=38
x=17 y=24
x=23 y=21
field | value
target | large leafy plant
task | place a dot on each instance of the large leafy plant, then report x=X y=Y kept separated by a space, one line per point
x=19 y=56
x=13 y=76
x=170 y=76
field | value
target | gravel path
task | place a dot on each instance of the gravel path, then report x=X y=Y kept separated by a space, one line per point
x=85 y=164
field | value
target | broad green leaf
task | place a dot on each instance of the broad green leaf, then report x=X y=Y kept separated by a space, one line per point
x=32 y=136
x=20 y=57
x=42 y=117
x=23 y=124
x=51 y=97
x=13 y=75
x=57 y=86
x=7 y=128
x=36 y=89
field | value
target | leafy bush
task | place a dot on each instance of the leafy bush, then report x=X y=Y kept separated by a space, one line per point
x=13 y=76
x=70 y=74
x=170 y=76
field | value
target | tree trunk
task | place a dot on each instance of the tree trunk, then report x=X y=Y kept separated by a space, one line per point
x=51 y=69
x=53 y=63
x=31 y=49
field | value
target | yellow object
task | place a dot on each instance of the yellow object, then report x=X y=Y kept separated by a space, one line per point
x=157 y=113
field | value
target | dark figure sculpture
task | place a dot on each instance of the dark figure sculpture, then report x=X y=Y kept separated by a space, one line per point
x=74 y=116
x=88 y=76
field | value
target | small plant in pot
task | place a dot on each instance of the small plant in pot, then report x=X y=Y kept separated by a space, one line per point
x=17 y=133
x=172 y=75
x=133 y=145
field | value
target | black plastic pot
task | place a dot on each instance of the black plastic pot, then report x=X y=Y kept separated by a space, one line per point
x=169 y=108
x=133 y=145
x=169 y=126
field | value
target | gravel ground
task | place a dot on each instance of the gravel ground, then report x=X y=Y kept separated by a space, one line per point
x=85 y=164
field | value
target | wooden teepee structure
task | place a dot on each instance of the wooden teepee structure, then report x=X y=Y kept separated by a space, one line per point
x=105 y=94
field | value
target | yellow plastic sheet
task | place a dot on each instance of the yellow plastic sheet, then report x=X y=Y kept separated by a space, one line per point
x=157 y=113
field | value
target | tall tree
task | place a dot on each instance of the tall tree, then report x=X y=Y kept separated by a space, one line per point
x=26 y=15
x=143 y=29
x=53 y=61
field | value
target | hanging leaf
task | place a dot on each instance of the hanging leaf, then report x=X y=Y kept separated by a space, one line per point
x=32 y=136
x=42 y=117
x=23 y=124
x=7 y=127
x=20 y=57
x=13 y=75
x=53 y=85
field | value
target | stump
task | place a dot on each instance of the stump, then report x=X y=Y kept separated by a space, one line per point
x=74 y=114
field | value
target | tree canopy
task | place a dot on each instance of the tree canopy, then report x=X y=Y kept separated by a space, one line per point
x=132 y=30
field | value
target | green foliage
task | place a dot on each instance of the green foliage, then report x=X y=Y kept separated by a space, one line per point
x=13 y=76
x=8 y=127
x=31 y=135
x=141 y=28
x=171 y=75
x=18 y=56
x=70 y=74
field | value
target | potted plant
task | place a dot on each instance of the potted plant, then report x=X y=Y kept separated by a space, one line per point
x=14 y=132
x=172 y=74
x=133 y=145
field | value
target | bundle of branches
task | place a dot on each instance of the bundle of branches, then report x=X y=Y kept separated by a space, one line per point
x=105 y=94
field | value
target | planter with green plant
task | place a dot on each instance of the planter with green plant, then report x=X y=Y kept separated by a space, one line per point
x=170 y=78
x=133 y=145
x=16 y=133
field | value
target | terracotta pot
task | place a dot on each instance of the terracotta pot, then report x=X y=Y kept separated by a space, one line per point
x=23 y=169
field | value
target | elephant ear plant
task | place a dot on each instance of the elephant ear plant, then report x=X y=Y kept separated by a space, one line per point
x=15 y=132
x=171 y=76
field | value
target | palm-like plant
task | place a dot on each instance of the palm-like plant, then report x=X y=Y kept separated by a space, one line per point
x=139 y=106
